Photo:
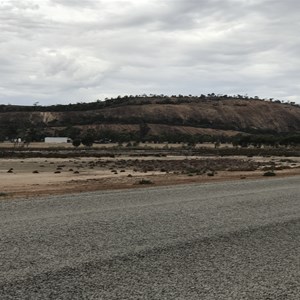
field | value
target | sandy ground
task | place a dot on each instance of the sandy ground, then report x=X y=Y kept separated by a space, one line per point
x=39 y=176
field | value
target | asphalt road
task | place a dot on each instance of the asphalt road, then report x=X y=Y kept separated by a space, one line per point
x=230 y=240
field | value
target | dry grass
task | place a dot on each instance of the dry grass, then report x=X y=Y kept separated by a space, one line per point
x=51 y=146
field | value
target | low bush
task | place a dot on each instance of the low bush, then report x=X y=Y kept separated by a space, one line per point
x=145 y=181
x=269 y=173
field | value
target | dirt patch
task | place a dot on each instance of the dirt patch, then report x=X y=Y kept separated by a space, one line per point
x=33 y=177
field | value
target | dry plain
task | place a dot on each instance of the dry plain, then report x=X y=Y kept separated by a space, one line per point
x=30 y=177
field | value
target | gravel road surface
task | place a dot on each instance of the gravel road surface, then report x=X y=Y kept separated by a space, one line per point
x=229 y=240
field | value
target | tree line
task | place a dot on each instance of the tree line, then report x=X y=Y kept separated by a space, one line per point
x=133 y=100
x=143 y=134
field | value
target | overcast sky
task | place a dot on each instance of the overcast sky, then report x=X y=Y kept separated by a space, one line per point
x=64 y=51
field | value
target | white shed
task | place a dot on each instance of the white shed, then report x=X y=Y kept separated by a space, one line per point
x=57 y=140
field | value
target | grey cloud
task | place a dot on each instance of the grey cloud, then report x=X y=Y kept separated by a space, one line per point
x=63 y=51
x=76 y=3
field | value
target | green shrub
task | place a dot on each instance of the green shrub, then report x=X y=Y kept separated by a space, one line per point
x=145 y=181
x=269 y=173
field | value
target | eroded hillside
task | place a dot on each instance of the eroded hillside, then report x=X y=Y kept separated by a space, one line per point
x=154 y=117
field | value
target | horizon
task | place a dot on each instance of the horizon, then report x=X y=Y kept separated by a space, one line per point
x=125 y=97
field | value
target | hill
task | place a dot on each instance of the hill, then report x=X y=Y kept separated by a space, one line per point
x=175 y=118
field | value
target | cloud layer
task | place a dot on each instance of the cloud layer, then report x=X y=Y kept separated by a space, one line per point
x=62 y=51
